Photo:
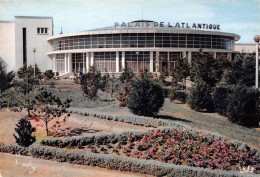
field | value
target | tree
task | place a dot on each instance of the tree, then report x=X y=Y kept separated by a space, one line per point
x=6 y=78
x=182 y=70
x=49 y=107
x=24 y=130
x=242 y=70
x=205 y=67
x=91 y=83
x=200 y=97
x=146 y=96
x=28 y=85
x=243 y=106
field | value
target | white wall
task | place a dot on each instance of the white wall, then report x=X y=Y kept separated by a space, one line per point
x=7 y=44
x=34 y=40
x=247 y=48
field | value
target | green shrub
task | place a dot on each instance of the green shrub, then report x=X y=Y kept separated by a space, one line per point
x=178 y=95
x=243 y=106
x=127 y=75
x=24 y=130
x=49 y=74
x=220 y=95
x=146 y=96
x=200 y=97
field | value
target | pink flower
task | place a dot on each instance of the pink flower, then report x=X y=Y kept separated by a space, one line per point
x=148 y=138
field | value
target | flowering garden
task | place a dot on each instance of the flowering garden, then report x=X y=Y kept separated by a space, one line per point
x=175 y=146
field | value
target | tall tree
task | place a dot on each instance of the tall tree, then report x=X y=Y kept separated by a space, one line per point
x=242 y=70
x=28 y=85
x=206 y=68
x=182 y=70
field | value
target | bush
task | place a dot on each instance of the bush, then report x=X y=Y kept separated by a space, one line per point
x=127 y=75
x=178 y=95
x=243 y=106
x=24 y=130
x=200 y=97
x=220 y=95
x=49 y=74
x=146 y=96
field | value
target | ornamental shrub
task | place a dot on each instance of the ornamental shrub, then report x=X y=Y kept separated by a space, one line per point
x=24 y=130
x=49 y=74
x=243 y=106
x=220 y=95
x=178 y=95
x=200 y=97
x=146 y=96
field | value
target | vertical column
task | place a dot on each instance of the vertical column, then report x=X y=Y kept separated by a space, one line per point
x=69 y=62
x=117 y=62
x=229 y=56
x=215 y=55
x=123 y=59
x=66 y=63
x=84 y=61
x=257 y=63
x=157 y=61
x=189 y=57
x=54 y=63
x=87 y=62
x=151 y=61
x=168 y=62
x=92 y=59
x=184 y=54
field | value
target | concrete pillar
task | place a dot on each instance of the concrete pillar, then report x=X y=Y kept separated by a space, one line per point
x=92 y=59
x=123 y=59
x=215 y=55
x=54 y=63
x=66 y=63
x=84 y=61
x=117 y=62
x=69 y=62
x=151 y=61
x=184 y=54
x=189 y=57
x=168 y=62
x=157 y=61
x=87 y=62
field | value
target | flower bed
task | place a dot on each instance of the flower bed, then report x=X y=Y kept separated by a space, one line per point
x=174 y=146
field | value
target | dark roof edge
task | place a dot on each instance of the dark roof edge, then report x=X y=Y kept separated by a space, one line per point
x=33 y=17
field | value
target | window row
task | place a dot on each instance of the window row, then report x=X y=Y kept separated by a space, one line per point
x=144 y=40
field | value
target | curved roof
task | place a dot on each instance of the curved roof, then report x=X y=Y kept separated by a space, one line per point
x=114 y=30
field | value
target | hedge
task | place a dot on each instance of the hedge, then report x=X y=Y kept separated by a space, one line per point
x=126 y=164
x=132 y=119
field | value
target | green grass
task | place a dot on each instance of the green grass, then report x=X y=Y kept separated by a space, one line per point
x=209 y=122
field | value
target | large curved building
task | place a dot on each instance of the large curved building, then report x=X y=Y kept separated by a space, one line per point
x=139 y=45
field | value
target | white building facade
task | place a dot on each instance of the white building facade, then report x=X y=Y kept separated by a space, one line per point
x=136 y=46
x=19 y=38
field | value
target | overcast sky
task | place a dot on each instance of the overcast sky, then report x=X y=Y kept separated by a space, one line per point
x=235 y=16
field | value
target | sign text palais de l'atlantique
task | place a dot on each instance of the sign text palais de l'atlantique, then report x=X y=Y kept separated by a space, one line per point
x=167 y=25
